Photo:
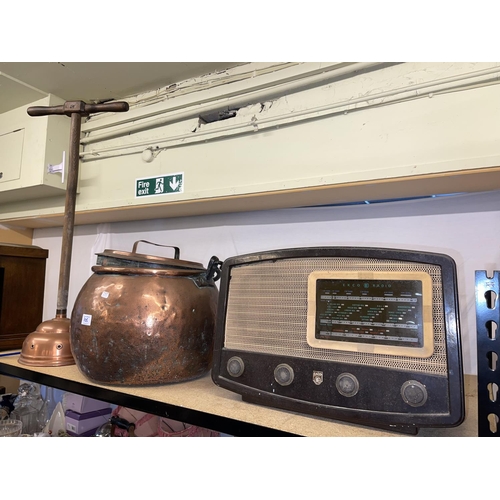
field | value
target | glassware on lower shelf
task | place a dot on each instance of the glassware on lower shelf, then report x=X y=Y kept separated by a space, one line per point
x=29 y=408
x=10 y=428
x=29 y=418
x=49 y=403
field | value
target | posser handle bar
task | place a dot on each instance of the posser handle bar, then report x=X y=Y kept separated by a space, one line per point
x=80 y=107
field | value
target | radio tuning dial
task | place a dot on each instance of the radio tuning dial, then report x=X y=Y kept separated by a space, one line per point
x=414 y=393
x=283 y=374
x=347 y=384
x=235 y=366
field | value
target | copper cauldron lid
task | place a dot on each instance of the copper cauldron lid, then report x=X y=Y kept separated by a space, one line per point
x=120 y=258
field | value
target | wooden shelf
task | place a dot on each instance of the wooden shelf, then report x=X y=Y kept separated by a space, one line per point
x=201 y=402
x=470 y=181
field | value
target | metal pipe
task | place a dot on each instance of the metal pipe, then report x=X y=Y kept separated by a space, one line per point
x=145 y=108
x=238 y=100
x=435 y=87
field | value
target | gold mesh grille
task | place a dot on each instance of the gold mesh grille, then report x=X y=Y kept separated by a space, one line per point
x=267 y=311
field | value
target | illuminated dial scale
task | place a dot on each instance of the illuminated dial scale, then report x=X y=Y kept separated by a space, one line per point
x=370 y=311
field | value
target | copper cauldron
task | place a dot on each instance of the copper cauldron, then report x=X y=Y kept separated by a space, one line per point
x=144 y=320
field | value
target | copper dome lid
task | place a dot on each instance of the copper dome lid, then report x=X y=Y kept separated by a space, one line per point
x=48 y=345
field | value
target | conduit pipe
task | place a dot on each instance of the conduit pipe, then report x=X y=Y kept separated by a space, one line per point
x=433 y=87
x=167 y=103
x=239 y=100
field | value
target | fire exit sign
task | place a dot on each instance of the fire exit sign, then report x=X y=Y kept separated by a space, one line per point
x=164 y=184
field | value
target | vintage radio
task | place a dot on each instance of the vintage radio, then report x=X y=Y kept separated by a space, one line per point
x=363 y=335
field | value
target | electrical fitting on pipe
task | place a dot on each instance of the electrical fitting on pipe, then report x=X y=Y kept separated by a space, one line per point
x=149 y=154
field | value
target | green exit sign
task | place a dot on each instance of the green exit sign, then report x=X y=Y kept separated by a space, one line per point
x=164 y=184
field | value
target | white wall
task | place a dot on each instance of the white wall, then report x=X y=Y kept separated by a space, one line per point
x=462 y=226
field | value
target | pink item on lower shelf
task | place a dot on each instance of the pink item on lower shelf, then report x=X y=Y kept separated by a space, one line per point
x=147 y=425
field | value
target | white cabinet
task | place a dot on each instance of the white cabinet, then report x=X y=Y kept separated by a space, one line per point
x=28 y=145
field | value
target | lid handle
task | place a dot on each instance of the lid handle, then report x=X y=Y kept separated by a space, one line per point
x=177 y=252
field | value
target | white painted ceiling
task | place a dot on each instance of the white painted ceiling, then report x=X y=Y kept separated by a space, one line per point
x=24 y=82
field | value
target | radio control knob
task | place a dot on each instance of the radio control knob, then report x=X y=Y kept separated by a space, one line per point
x=347 y=384
x=414 y=393
x=235 y=366
x=283 y=374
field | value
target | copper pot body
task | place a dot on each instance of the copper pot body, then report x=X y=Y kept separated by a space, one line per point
x=144 y=326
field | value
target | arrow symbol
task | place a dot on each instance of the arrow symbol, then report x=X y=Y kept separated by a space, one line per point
x=174 y=184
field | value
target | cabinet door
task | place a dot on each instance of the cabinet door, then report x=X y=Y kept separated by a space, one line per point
x=11 y=152
x=22 y=280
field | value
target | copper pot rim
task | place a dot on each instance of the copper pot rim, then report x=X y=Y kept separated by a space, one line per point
x=152 y=260
x=141 y=271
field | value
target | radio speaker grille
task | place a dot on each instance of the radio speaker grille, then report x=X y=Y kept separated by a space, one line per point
x=267 y=311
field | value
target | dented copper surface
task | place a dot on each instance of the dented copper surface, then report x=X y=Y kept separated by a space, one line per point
x=144 y=326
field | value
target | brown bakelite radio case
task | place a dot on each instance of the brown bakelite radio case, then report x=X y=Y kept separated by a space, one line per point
x=368 y=336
